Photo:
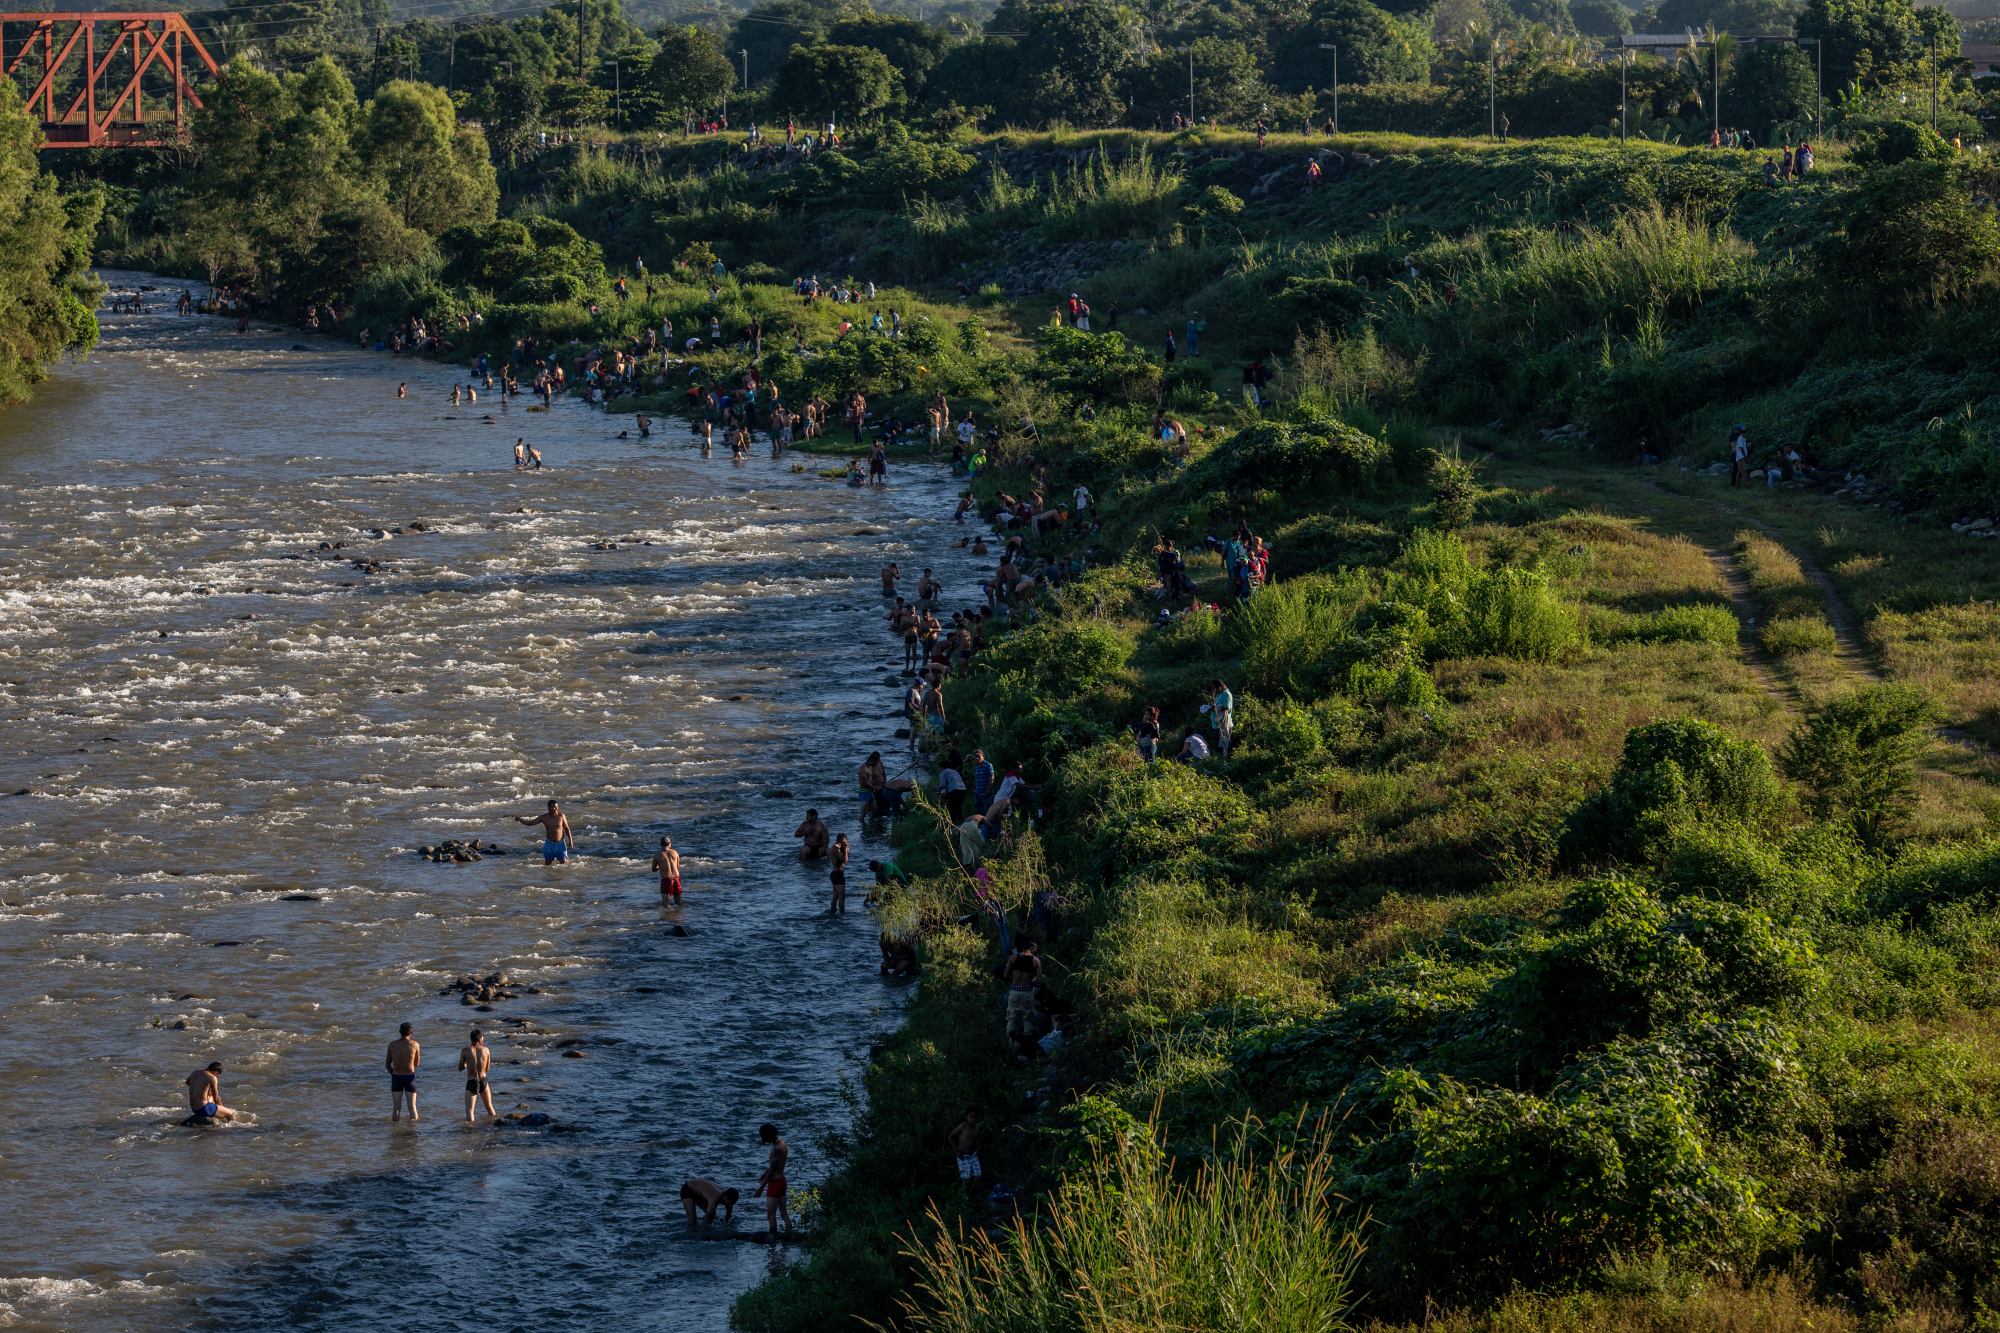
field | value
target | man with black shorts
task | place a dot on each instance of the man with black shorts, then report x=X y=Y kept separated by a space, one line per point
x=402 y=1061
x=477 y=1062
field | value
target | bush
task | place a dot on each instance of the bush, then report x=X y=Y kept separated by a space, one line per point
x=1290 y=735
x=1325 y=541
x=1213 y=203
x=1454 y=492
x=1102 y=365
x=1305 y=451
x=1673 y=774
x=1857 y=756
x=1705 y=623
x=1284 y=632
x=992 y=294
x=1791 y=635
x=1515 y=613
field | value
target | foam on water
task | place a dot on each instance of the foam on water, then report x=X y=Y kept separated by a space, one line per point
x=188 y=789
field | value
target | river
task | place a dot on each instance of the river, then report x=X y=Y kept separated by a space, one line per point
x=224 y=759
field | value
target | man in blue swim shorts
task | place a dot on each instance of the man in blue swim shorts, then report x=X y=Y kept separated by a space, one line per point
x=557 y=840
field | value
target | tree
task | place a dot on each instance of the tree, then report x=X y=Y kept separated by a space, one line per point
x=1870 y=40
x=1738 y=16
x=913 y=48
x=1770 y=85
x=436 y=173
x=1070 y=56
x=1601 y=18
x=1375 y=47
x=44 y=259
x=517 y=114
x=769 y=31
x=574 y=103
x=1857 y=756
x=1912 y=232
x=689 y=73
x=1225 y=80
x=848 y=83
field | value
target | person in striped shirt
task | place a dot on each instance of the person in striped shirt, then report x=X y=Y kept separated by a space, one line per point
x=982 y=782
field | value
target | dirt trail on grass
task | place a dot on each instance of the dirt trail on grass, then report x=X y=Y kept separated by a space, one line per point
x=1851 y=651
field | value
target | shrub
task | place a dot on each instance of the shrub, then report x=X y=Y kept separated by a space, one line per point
x=1103 y=365
x=1515 y=613
x=1924 y=883
x=1283 y=632
x=1326 y=541
x=1290 y=735
x=1454 y=491
x=1671 y=774
x=1797 y=634
x=1302 y=452
x=1213 y=203
x=1704 y=623
x=992 y=293
x=1857 y=756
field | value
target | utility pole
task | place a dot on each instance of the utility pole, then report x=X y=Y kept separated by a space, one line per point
x=618 y=91
x=1329 y=46
x=375 y=66
x=450 y=60
x=1190 y=52
x=579 y=41
x=746 y=68
x=1934 y=81
x=1492 y=114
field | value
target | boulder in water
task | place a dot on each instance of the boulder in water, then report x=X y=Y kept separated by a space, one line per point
x=574 y=1055
x=680 y=932
x=200 y=1122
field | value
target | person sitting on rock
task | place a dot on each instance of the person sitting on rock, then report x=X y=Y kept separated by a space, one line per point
x=708 y=1196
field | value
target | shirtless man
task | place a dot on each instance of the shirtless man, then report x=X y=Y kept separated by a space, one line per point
x=476 y=1059
x=964 y=1143
x=928 y=588
x=816 y=834
x=771 y=1185
x=557 y=840
x=708 y=1196
x=889 y=576
x=520 y=455
x=667 y=862
x=402 y=1061
x=205 y=1093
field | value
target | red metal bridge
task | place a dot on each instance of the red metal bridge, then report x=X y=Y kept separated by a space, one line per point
x=98 y=113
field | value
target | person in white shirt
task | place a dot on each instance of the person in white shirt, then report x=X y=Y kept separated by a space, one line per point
x=1192 y=748
x=951 y=786
x=1082 y=497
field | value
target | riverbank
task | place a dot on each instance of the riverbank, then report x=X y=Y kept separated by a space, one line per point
x=1427 y=893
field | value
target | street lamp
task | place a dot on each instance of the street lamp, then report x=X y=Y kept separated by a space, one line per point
x=1819 y=85
x=1623 y=60
x=1329 y=46
x=746 y=67
x=1934 y=81
x=1492 y=117
x=617 y=91
x=1190 y=56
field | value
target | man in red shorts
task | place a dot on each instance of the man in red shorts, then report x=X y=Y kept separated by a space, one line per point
x=668 y=862
x=772 y=1184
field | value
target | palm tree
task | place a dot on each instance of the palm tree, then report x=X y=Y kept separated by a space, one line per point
x=1700 y=68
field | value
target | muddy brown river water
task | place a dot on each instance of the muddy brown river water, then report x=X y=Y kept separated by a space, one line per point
x=230 y=756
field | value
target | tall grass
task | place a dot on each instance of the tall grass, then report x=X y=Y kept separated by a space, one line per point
x=1557 y=280
x=1283 y=633
x=1106 y=198
x=1245 y=1244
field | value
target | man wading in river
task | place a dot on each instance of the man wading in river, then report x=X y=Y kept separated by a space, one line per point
x=205 y=1093
x=402 y=1061
x=667 y=862
x=476 y=1060
x=557 y=840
